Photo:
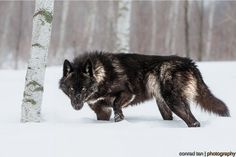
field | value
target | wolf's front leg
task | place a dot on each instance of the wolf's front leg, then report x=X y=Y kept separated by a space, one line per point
x=102 y=110
x=122 y=100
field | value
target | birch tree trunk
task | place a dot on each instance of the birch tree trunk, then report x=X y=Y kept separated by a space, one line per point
x=123 y=26
x=42 y=23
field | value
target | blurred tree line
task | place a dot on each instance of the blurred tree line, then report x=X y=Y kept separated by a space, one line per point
x=203 y=30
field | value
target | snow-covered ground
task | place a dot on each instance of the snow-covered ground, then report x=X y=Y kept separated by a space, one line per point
x=65 y=132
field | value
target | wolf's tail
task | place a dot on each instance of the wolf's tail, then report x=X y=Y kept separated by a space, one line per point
x=208 y=101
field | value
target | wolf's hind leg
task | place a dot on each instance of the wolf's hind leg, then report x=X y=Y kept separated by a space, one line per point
x=165 y=111
x=182 y=110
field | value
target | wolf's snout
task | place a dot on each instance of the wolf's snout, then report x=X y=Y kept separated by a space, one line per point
x=77 y=96
x=76 y=103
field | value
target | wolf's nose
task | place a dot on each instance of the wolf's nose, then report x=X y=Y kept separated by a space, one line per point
x=77 y=95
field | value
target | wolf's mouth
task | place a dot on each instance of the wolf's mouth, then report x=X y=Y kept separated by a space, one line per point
x=76 y=104
x=77 y=107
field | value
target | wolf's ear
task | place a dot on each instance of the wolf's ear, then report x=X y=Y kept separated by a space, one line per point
x=88 y=68
x=67 y=68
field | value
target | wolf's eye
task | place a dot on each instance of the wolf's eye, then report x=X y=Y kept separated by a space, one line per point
x=72 y=89
x=83 y=89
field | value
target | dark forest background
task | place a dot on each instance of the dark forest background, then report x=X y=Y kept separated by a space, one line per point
x=203 y=30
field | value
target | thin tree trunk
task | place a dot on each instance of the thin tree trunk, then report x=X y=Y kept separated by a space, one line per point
x=210 y=28
x=170 y=41
x=19 y=36
x=154 y=27
x=33 y=93
x=186 y=19
x=175 y=27
x=123 y=26
x=111 y=20
x=3 y=36
x=201 y=14
x=169 y=30
x=65 y=7
x=92 y=24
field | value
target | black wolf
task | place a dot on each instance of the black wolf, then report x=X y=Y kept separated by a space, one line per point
x=107 y=81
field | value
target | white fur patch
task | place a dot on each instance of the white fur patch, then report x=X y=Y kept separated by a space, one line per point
x=99 y=72
x=93 y=101
x=165 y=73
x=68 y=76
x=118 y=69
x=106 y=109
x=153 y=87
x=128 y=102
x=190 y=90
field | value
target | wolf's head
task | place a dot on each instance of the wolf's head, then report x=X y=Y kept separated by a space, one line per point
x=78 y=82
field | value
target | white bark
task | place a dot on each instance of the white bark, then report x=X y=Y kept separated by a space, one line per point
x=123 y=26
x=210 y=26
x=42 y=23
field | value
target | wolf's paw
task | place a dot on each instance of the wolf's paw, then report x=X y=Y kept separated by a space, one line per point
x=119 y=117
x=195 y=124
x=169 y=117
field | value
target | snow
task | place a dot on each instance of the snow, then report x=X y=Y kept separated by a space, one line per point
x=65 y=132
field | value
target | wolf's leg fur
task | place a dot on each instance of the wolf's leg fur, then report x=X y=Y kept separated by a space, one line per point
x=181 y=109
x=178 y=103
x=102 y=110
x=164 y=110
x=122 y=100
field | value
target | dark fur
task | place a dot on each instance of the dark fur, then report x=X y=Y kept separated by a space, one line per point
x=112 y=81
